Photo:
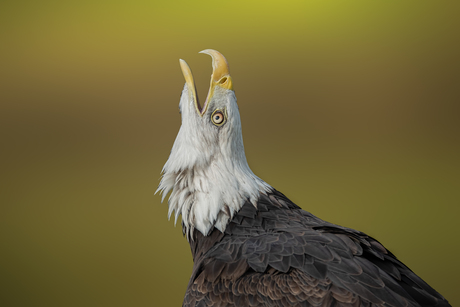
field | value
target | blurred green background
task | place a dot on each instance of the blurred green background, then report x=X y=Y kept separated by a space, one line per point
x=350 y=108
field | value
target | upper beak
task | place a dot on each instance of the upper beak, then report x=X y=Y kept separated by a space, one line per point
x=220 y=77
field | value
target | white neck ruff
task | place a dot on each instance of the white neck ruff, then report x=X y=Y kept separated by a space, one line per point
x=209 y=197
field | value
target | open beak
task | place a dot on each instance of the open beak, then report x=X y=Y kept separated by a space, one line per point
x=220 y=77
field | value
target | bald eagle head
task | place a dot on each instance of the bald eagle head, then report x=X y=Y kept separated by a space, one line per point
x=207 y=169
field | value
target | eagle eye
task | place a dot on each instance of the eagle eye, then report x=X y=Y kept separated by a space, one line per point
x=218 y=118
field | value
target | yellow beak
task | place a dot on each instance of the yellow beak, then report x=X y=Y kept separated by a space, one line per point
x=220 y=77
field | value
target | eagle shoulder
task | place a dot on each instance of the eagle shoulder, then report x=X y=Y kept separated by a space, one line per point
x=277 y=254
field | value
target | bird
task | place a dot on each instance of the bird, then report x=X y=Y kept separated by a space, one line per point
x=251 y=245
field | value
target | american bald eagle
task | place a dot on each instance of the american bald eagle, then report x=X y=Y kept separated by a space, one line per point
x=250 y=244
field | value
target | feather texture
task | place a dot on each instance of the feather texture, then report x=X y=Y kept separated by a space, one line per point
x=280 y=255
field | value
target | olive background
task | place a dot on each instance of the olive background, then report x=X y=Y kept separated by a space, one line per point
x=350 y=108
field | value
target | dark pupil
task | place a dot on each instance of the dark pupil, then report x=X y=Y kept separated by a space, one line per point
x=217 y=117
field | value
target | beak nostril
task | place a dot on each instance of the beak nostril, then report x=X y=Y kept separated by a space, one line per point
x=223 y=80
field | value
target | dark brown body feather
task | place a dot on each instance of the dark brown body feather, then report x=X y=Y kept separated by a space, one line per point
x=280 y=255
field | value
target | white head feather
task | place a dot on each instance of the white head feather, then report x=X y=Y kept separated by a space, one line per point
x=207 y=169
